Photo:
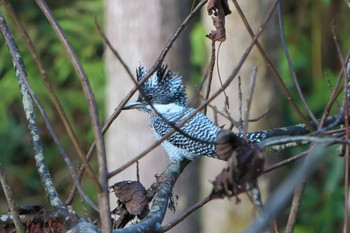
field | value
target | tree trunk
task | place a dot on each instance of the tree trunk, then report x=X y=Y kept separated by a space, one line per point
x=139 y=30
x=226 y=215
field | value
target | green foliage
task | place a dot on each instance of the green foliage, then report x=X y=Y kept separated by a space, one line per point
x=322 y=204
x=199 y=55
x=77 y=21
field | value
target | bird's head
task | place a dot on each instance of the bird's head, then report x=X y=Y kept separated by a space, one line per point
x=161 y=89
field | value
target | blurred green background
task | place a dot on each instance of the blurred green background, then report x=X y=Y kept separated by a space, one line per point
x=77 y=20
x=308 y=27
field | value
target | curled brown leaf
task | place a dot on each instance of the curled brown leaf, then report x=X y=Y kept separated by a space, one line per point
x=244 y=165
x=218 y=9
x=133 y=200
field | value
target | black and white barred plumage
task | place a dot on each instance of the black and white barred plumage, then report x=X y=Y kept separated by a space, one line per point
x=198 y=127
x=166 y=92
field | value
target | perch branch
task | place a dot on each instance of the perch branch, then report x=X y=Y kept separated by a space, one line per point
x=32 y=121
x=205 y=103
x=152 y=222
x=51 y=92
x=103 y=195
x=56 y=140
x=159 y=61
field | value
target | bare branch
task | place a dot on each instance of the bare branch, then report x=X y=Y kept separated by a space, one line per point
x=101 y=153
x=286 y=53
x=209 y=73
x=285 y=162
x=31 y=118
x=51 y=92
x=10 y=201
x=272 y=68
x=298 y=192
x=152 y=222
x=280 y=197
x=249 y=101
x=184 y=215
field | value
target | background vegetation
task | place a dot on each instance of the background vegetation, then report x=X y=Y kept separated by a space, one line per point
x=77 y=21
x=308 y=29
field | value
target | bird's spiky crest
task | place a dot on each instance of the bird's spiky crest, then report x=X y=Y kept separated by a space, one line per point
x=163 y=84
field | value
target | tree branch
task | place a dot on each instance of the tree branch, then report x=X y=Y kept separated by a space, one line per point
x=281 y=196
x=32 y=121
x=11 y=203
x=103 y=195
x=51 y=92
x=152 y=222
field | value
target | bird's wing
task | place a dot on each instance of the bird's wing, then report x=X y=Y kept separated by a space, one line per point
x=201 y=130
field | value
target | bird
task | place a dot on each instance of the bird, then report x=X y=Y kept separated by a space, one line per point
x=163 y=97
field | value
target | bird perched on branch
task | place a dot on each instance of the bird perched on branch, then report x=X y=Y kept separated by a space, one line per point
x=163 y=98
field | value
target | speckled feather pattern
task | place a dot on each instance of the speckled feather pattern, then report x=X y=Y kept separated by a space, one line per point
x=167 y=93
x=163 y=85
x=198 y=126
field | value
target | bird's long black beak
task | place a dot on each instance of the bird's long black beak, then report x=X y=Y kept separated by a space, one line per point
x=133 y=105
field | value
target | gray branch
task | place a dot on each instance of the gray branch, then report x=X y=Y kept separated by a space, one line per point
x=11 y=203
x=152 y=222
x=281 y=196
x=31 y=118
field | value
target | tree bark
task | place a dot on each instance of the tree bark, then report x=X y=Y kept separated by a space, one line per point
x=139 y=30
x=226 y=215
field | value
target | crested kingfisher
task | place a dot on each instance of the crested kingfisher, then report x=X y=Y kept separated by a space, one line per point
x=164 y=99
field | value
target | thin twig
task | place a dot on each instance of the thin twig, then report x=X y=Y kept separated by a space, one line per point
x=226 y=102
x=32 y=120
x=284 y=140
x=226 y=114
x=298 y=192
x=209 y=74
x=254 y=195
x=155 y=66
x=291 y=68
x=249 y=101
x=151 y=223
x=240 y=100
x=282 y=194
x=205 y=103
x=185 y=214
x=56 y=140
x=272 y=68
x=114 y=51
x=346 y=124
x=284 y=162
x=92 y=147
x=52 y=93
x=334 y=93
x=331 y=88
x=103 y=197
x=10 y=201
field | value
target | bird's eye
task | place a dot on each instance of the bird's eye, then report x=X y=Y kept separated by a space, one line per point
x=149 y=97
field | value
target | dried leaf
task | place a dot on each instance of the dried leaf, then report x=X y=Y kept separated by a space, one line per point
x=244 y=165
x=219 y=9
x=133 y=195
